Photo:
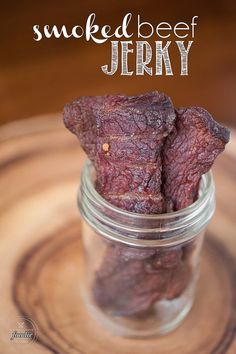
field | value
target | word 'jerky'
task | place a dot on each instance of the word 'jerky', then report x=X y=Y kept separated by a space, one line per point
x=148 y=159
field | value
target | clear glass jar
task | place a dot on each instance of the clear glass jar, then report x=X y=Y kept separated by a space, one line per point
x=141 y=270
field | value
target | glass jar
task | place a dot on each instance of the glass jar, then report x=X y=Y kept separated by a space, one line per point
x=141 y=270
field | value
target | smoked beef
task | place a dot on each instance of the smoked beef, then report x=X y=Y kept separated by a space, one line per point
x=149 y=159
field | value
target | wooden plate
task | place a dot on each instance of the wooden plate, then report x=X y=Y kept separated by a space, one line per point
x=40 y=254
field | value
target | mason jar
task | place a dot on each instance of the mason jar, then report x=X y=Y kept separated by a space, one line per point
x=140 y=271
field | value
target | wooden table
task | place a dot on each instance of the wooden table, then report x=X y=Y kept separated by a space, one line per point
x=40 y=252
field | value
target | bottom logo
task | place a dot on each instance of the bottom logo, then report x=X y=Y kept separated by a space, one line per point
x=25 y=331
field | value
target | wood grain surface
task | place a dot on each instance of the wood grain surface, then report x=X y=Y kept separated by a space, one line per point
x=40 y=252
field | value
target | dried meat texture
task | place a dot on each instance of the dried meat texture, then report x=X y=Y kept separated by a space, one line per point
x=166 y=259
x=124 y=137
x=139 y=279
x=129 y=290
x=189 y=152
x=179 y=280
x=148 y=159
x=117 y=255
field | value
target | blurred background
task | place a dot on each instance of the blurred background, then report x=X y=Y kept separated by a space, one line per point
x=40 y=77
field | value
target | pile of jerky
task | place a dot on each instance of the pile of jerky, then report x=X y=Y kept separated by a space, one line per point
x=149 y=158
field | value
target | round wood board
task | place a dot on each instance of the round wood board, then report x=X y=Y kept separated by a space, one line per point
x=40 y=252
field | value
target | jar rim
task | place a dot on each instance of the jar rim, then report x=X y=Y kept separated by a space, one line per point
x=144 y=230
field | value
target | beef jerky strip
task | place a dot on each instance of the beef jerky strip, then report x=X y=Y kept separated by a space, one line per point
x=139 y=279
x=131 y=290
x=134 y=301
x=124 y=137
x=189 y=152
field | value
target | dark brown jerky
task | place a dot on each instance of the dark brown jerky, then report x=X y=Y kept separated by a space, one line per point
x=137 y=281
x=130 y=290
x=166 y=259
x=117 y=256
x=178 y=280
x=148 y=161
x=124 y=137
x=189 y=152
